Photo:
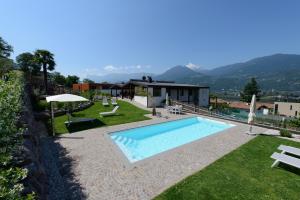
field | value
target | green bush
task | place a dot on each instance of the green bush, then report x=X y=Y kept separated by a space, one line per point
x=88 y=94
x=42 y=105
x=295 y=123
x=11 y=91
x=285 y=133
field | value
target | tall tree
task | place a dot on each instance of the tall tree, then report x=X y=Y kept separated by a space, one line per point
x=70 y=80
x=5 y=49
x=250 y=89
x=58 y=78
x=26 y=62
x=6 y=64
x=86 y=80
x=45 y=59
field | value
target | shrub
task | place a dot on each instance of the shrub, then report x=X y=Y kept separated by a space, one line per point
x=285 y=133
x=88 y=94
x=295 y=123
x=11 y=91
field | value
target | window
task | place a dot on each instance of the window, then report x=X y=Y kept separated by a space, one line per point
x=291 y=107
x=276 y=108
x=156 y=92
x=296 y=113
x=190 y=92
x=182 y=92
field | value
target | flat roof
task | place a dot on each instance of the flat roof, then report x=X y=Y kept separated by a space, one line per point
x=281 y=102
x=161 y=84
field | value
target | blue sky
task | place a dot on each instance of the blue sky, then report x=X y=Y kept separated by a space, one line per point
x=99 y=37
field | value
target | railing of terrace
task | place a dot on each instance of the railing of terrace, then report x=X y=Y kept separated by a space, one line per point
x=269 y=121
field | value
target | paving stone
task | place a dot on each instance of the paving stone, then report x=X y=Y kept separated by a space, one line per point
x=105 y=173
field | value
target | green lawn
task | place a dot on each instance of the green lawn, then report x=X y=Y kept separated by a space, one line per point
x=245 y=173
x=125 y=114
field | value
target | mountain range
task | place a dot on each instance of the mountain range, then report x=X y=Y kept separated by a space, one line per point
x=118 y=77
x=278 y=72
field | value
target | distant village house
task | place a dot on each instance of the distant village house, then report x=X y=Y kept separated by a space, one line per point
x=287 y=109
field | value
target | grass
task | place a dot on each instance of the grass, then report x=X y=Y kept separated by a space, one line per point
x=125 y=114
x=245 y=173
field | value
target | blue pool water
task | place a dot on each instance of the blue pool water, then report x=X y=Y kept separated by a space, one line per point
x=143 y=142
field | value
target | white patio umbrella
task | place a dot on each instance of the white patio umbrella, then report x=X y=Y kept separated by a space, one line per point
x=251 y=114
x=62 y=98
x=167 y=100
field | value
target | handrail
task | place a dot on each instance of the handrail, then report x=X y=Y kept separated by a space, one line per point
x=204 y=111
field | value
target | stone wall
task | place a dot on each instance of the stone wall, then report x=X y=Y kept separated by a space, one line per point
x=29 y=155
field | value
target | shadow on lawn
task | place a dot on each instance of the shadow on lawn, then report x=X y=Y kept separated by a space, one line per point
x=84 y=126
x=289 y=168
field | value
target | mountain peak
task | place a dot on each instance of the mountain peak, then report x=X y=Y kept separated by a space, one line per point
x=176 y=73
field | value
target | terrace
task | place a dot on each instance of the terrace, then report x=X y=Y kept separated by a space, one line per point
x=228 y=163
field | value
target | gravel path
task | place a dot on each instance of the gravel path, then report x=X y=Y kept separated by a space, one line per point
x=55 y=181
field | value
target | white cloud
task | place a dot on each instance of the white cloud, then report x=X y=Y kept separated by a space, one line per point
x=114 y=69
x=192 y=66
x=90 y=71
x=125 y=69
x=110 y=68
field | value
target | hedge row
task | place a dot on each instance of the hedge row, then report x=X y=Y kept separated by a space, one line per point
x=11 y=91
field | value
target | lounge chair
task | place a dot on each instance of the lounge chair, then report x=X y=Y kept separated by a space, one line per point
x=289 y=149
x=287 y=159
x=72 y=120
x=114 y=101
x=283 y=158
x=113 y=112
x=105 y=102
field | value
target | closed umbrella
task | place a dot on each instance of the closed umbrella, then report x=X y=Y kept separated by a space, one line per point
x=62 y=98
x=167 y=100
x=251 y=114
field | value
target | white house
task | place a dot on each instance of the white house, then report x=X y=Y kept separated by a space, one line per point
x=150 y=93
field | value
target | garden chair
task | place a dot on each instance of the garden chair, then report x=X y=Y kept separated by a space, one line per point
x=114 y=101
x=105 y=102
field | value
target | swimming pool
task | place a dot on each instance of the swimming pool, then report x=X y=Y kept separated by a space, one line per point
x=140 y=143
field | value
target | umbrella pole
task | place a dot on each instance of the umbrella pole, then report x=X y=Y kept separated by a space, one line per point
x=52 y=118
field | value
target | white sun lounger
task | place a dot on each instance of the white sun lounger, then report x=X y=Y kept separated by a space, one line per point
x=283 y=158
x=289 y=149
x=109 y=113
x=105 y=102
x=114 y=101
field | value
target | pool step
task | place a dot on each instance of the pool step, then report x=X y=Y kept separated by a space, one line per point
x=126 y=140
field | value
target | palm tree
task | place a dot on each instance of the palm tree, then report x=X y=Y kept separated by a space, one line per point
x=45 y=59
x=26 y=62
